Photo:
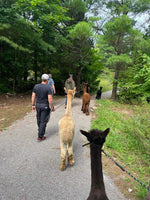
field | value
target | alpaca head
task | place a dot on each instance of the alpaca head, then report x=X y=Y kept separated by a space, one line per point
x=84 y=85
x=70 y=92
x=96 y=136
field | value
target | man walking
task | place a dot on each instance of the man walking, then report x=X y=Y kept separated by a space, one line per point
x=51 y=84
x=42 y=95
x=69 y=85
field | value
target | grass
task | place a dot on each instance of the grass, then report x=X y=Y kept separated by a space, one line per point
x=128 y=139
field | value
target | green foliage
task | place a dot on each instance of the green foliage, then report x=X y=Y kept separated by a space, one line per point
x=85 y=61
x=44 y=35
x=31 y=28
x=122 y=58
x=92 y=69
x=116 y=31
x=4 y=89
x=141 y=6
x=118 y=35
x=34 y=36
x=76 y=10
x=124 y=7
x=81 y=31
x=105 y=80
x=115 y=46
x=141 y=192
x=14 y=45
x=135 y=84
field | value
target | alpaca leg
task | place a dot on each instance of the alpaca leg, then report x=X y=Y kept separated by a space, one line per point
x=70 y=154
x=63 y=157
x=84 y=108
x=71 y=160
x=87 y=109
x=63 y=164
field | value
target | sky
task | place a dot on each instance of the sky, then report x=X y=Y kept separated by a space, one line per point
x=142 y=19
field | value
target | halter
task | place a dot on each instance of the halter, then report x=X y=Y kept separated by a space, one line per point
x=86 y=144
x=92 y=142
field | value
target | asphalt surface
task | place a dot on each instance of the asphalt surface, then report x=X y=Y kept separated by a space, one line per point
x=29 y=170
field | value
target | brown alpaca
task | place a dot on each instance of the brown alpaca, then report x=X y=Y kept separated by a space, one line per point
x=85 y=100
x=66 y=132
x=96 y=139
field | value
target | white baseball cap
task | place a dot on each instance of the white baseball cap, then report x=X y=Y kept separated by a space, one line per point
x=45 y=77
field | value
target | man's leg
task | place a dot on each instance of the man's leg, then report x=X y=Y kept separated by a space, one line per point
x=38 y=116
x=66 y=102
x=45 y=115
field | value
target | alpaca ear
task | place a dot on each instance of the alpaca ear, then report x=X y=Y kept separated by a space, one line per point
x=84 y=133
x=106 y=132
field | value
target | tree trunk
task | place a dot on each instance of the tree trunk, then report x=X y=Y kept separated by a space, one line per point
x=35 y=67
x=115 y=82
x=14 y=85
x=78 y=81
x=25 y=75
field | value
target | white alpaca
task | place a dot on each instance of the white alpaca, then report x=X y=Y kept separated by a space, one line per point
x=66 y=132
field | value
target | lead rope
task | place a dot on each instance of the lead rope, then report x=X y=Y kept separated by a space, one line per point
x=120 y=167
x=126 y=171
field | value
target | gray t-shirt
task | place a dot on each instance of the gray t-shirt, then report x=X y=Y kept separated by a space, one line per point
x=42 y=91
x=69 y=84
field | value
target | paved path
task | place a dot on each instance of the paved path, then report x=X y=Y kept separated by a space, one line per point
x=29 y=170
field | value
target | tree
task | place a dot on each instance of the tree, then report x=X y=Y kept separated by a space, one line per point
x=81 y=50
x=29 y=28
x=118 y=39
x=76 y=10
x=116 y=28
x=12 y=45
x=135 y=83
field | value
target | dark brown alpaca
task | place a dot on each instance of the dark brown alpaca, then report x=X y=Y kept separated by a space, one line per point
x=85 y=100
x=96 y=139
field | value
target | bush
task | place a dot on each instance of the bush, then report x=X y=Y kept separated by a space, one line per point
x=4 y=89
x=134 y=85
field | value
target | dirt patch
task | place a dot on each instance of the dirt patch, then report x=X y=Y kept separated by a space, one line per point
x=13 y=107
x=126 y=112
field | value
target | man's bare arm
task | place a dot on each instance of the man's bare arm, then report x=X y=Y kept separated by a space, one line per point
x=33 y=100
x=50 y=100
x=54 y=88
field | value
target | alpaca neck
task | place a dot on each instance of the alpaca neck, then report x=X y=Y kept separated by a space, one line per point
x=68 y=110
x=84 y=90
x=96 y=168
